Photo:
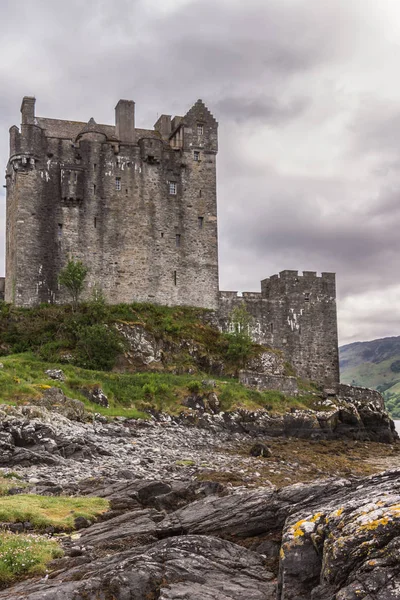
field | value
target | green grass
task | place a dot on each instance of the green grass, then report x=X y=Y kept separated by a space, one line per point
x=24 y=556
x=8 y=483
x=43 y=511
x=23 y=380
x=370 y=374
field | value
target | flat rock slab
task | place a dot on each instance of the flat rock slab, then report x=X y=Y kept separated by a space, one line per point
x=191 y=567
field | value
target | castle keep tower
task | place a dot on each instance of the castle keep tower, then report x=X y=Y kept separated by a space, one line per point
x=137 y=206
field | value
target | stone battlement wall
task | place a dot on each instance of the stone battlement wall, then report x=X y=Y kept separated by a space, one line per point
x=295 y=314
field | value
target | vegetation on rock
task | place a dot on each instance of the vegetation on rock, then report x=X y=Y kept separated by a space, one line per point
x=90 y=336
x=25 y=556
x=44 y=511
x=240 y=344
x=92 y=345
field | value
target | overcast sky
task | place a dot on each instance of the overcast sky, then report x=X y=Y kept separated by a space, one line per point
x=307 y=95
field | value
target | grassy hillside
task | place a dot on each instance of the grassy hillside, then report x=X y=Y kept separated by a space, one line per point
x=91 y=351
x=374 y=364
x=23 y=379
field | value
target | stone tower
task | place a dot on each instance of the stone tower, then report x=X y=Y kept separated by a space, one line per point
x=137 y=206
x=295 y=314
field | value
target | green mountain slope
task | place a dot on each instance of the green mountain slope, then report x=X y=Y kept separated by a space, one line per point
x=374 y=364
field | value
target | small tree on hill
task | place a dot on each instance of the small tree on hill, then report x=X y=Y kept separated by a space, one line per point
x=239 y=338
x=73 y=276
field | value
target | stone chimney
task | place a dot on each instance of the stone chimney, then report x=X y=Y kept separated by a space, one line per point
x=28 y=110
x=125 y=121
x=163 y=126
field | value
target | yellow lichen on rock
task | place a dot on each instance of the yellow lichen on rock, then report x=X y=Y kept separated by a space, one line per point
x=372 y=525
x=298 y=532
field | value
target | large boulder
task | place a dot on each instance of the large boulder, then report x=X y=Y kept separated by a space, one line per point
x=55 y=400
x=345 y=546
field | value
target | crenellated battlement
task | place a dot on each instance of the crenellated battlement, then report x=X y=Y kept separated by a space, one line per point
x=289 y=275
x=23 y=161
x=239 y=295
x=294 y=282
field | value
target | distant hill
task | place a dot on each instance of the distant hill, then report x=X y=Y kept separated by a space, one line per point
x=374 y=364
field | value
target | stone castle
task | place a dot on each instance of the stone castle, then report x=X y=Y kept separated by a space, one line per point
x=139 y=208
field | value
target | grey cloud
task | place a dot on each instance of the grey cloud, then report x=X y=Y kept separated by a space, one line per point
x=376 y=126
x=284 y=229
x=261 y=109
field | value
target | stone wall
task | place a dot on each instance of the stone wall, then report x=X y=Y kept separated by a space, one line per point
x=360 y=396
x=297 y=315
x=141 y=214
x=265 y=381
x=2 y=286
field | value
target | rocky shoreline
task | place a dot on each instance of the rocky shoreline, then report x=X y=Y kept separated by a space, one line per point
x=209 y=512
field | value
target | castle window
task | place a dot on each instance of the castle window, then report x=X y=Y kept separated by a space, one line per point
x=199 y=193
x=200 y=221
x=162 y=234
x=174 y=277
x=94 y=189
x=94 y=166
x=200 y=129
x=118 y=184
x=178 y=240
x=60 y=229
x=271 y=328
x=95 y=222
x=196 y=156
x=306 y=297
x=173 y=187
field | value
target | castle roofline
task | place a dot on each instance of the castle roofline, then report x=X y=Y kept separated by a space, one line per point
x=69 y=130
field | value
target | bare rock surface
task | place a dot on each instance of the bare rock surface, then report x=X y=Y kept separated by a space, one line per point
x=170 y=534
x=195 y=567
x=339 y=541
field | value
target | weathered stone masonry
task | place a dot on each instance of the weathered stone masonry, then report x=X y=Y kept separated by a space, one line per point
x=296 y=314
x=139 y=208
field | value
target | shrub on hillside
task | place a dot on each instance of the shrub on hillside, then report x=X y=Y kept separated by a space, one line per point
x=98 y=347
